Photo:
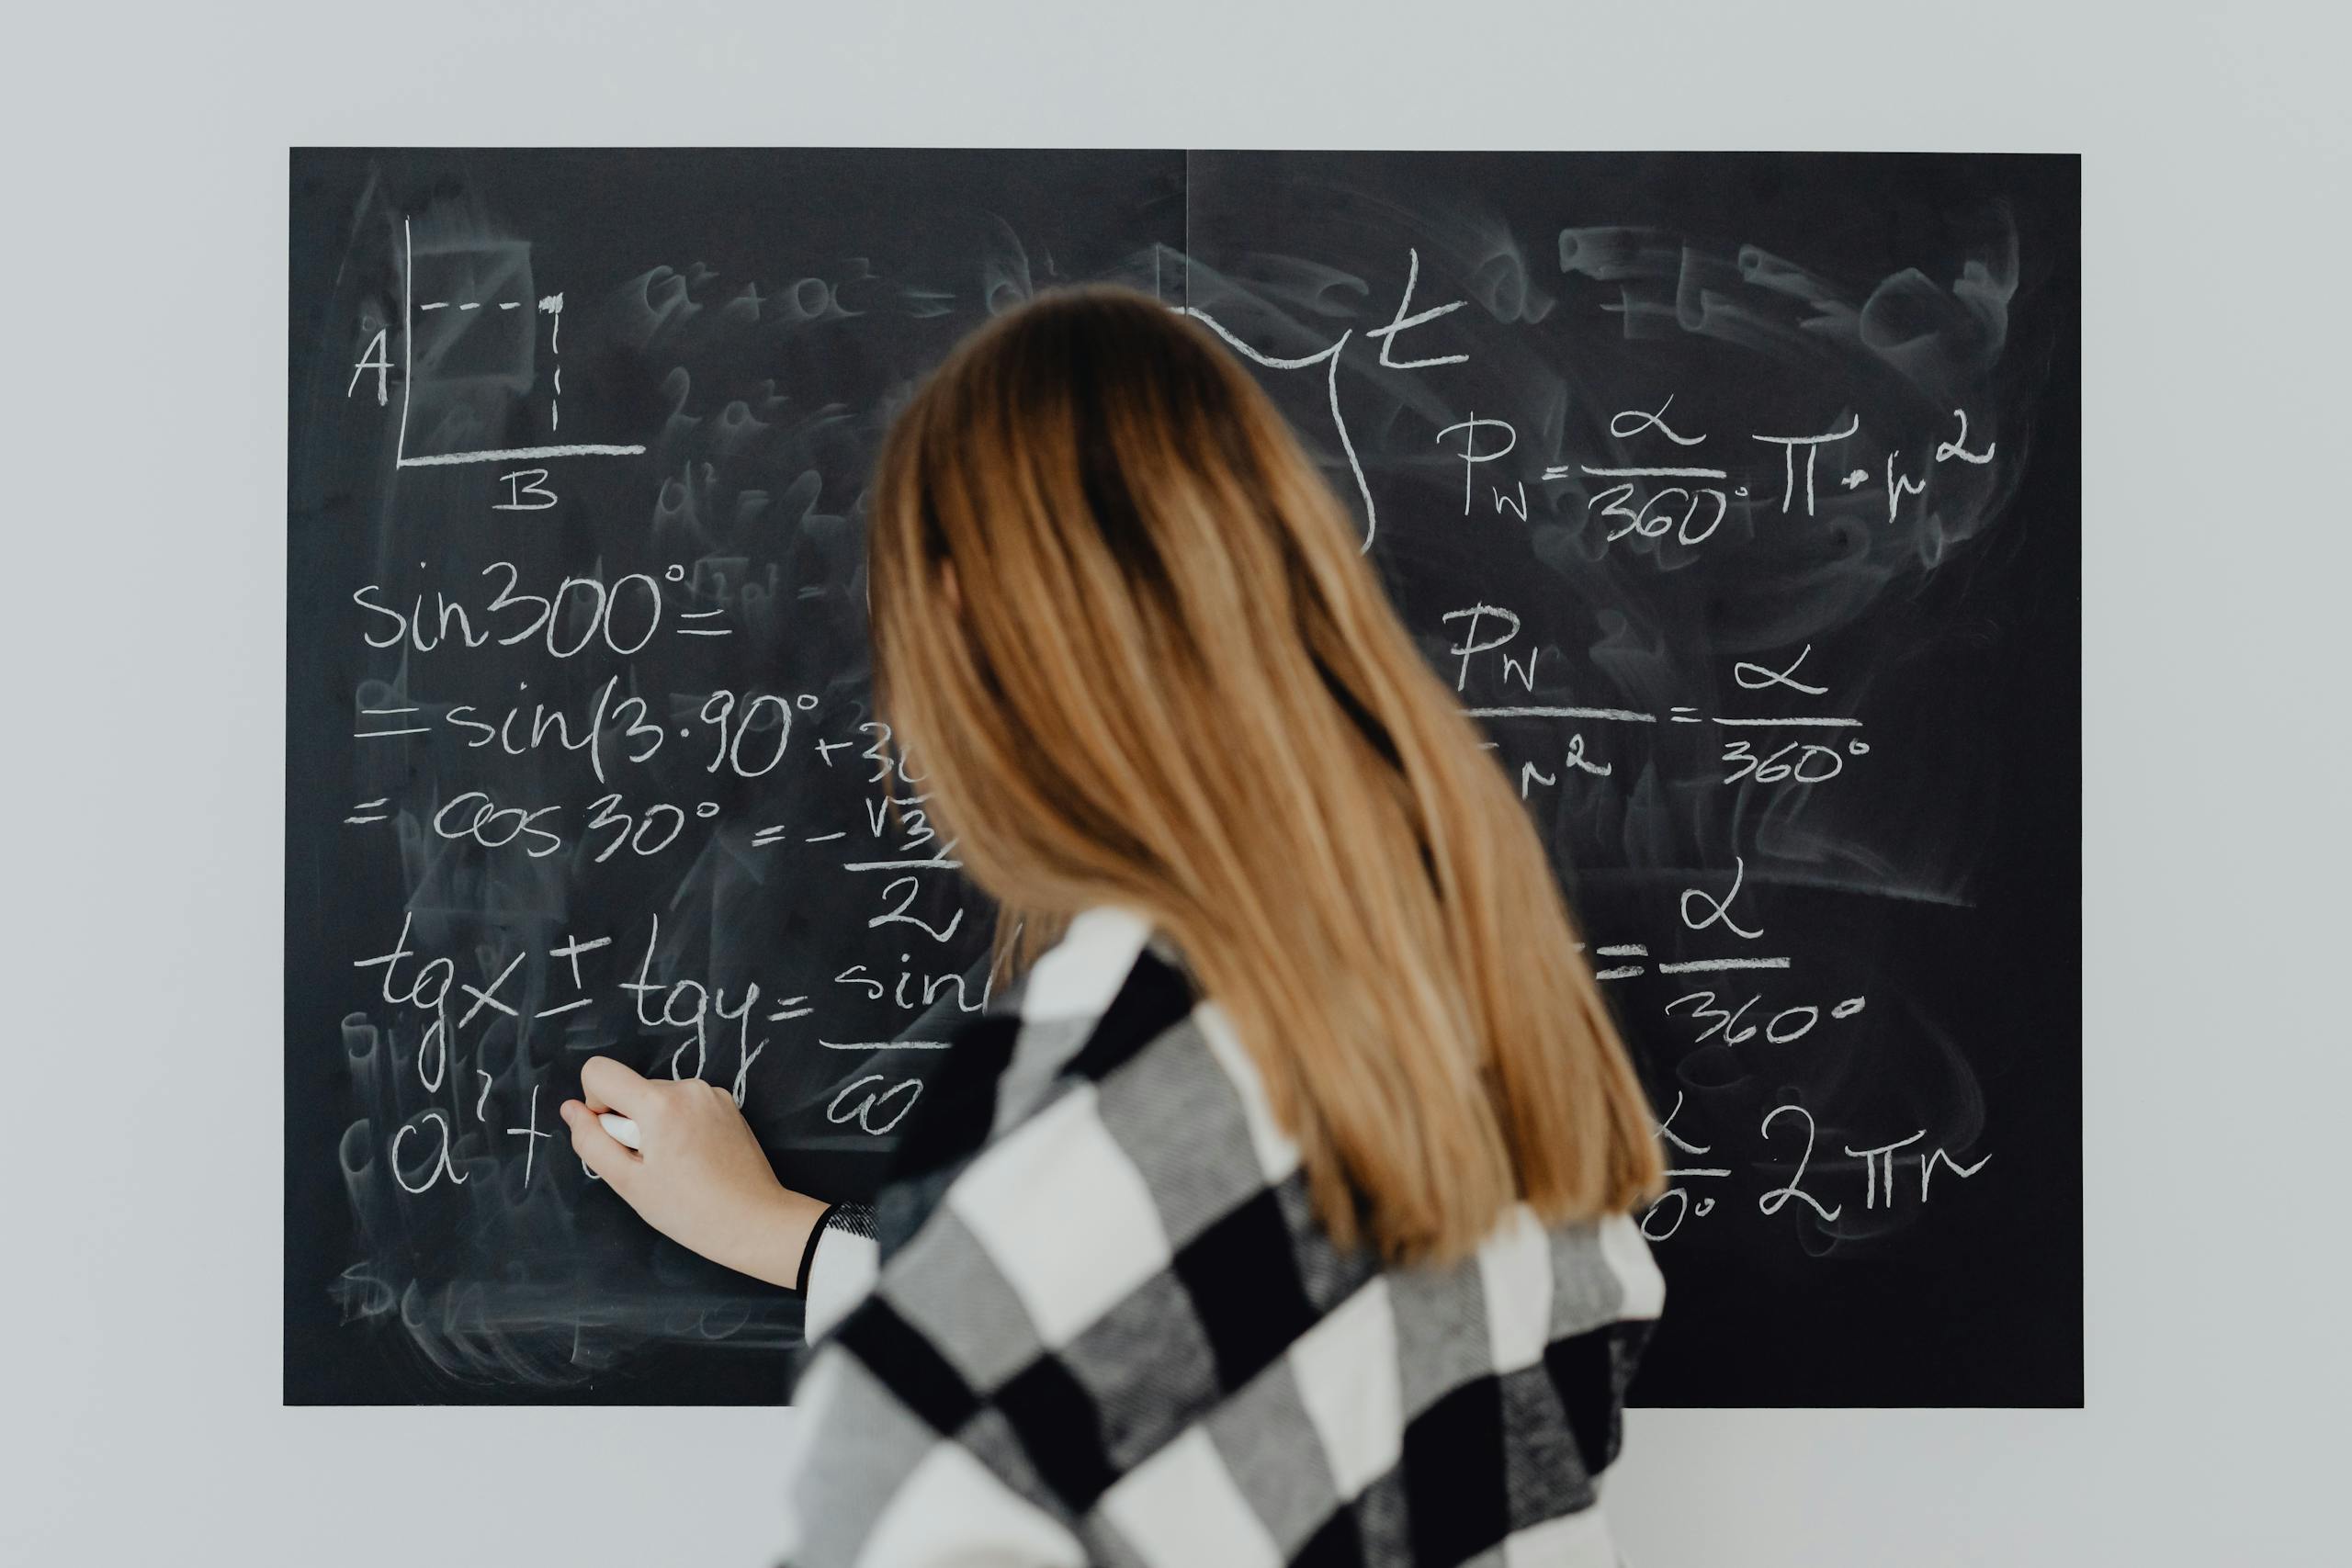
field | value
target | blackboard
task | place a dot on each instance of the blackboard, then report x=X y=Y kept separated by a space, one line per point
x=1737 y=494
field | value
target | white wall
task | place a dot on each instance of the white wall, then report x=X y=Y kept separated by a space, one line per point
x=142 y=320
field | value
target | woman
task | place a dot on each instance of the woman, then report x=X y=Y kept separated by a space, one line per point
x=1278 y=1212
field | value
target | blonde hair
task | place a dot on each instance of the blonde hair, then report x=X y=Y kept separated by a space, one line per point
x=1167 y=678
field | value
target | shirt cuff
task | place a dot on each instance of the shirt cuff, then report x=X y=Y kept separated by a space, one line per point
x=839 y=1267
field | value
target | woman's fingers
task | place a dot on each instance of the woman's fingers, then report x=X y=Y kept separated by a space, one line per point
x=597 y=1149
x=608 y=1085
x=701 y=1179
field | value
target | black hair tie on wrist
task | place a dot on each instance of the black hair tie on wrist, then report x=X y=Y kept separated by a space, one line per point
x=809 y=1253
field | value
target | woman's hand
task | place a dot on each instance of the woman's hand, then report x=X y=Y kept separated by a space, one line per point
x=700 y=1177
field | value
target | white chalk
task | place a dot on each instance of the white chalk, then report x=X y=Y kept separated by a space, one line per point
x=623 y=1130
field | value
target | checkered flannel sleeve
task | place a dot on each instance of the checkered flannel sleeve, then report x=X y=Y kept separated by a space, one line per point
x=1120 y=1337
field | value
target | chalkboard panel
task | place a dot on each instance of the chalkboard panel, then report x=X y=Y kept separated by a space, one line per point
x=1736 y=493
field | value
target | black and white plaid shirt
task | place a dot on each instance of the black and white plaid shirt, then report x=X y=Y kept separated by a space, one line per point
x=1105 y=1326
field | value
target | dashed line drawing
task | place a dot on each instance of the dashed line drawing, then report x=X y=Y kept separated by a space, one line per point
x=402 y=459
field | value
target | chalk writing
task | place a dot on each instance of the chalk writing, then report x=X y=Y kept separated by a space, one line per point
x=1716 y=539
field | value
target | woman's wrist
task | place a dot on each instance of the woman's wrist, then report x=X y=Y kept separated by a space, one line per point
x=781 y=1236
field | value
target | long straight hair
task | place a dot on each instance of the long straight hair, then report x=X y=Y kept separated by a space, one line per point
x=1165 y=676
